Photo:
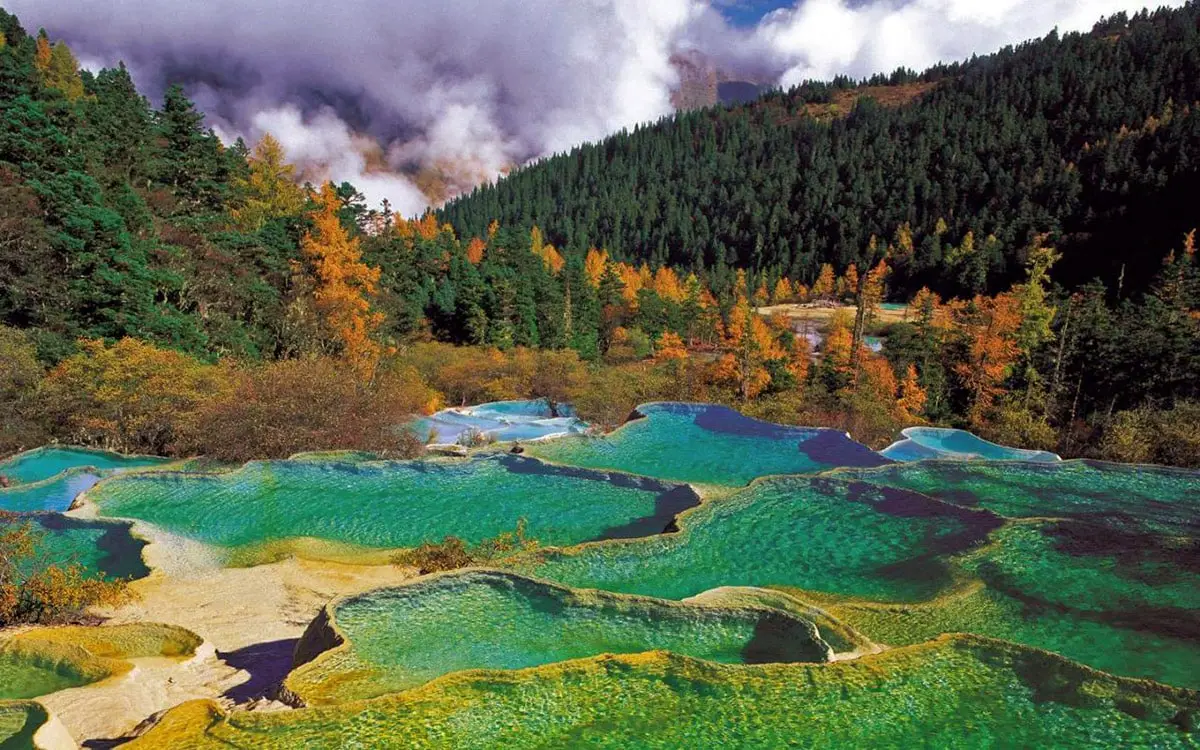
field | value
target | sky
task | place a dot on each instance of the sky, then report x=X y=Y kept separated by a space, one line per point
x=415 y=100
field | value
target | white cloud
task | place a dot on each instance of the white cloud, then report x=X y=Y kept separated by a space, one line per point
x=468 y=88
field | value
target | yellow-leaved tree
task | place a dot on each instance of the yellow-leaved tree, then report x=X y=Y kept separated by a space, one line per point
x=342 y=285
x=270 y=191
x=749 y=344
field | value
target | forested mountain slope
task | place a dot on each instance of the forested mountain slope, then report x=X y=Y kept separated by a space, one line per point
x=1093 y=138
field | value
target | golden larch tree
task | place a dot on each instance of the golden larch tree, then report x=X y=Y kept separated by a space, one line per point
x=342 y=283
x=670 y=347
x=667 y=285
x=749 y=344
x=594 y=264
x=989 y=326
x=270 y=191
x=475 y=250
x=823 y=287
x=912 y=395
x=783 y=290
x=847 y=286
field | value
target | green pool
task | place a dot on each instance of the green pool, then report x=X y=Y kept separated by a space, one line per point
x=104 y=547
x=1153 y=499
x=955 y=692
x=1130 y=608
x=845 y=538
x=23 y=675
x=707 y=444
x=43 y=463
x=403 y=637
x=385 y=505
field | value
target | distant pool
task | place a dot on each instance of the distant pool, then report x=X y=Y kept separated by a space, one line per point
x=50 y=478
x=920 y=443
x=500 y=421
x=383 y=505
x=708 y=444
x=43 y=463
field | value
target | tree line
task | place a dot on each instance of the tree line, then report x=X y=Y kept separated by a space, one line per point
x=162 y=292
x=1090 y=138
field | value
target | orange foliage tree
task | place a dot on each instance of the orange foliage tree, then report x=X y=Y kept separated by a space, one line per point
x=670 y=347
x=594 y=264
x=475 y=250
x=749 y=345
x=667 y=286
x=988 y=326
x=847 y=285
x=783 y=291
x=823 y=287
x=343 y=283
x=548 y=253
x=912 y=395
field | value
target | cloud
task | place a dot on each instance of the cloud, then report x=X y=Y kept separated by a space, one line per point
x=819 y=39
x=465 y=87
x=419 y=100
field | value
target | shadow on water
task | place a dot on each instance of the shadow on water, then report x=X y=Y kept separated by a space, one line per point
x=778 y=639
x=1172 y=622
x=268 y=663
x=835 y=449
x=824 y=446
x=121 y=551
x=930 y=568
x=672 y=498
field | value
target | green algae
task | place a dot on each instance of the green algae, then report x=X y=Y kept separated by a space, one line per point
x=41 y=661
x=43 y=463
x=845 y=538
x=707 y=444
x=399 y=638
x=19 y=722
x=393 y=504
x=1132 y=615
x=1156 y=499
x=22 y=675
x=959 y=691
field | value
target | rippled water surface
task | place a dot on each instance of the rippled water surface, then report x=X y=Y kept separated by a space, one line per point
x=407 y=636
x=43 y=463
x=709 y=445
x=394 y=504
x=815 y=534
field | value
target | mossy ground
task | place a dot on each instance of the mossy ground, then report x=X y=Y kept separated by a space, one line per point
x=958 y=691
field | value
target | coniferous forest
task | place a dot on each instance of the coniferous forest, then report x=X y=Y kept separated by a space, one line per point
x=161 y=291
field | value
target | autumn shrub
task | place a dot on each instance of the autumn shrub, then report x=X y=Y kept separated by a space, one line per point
x=452 y=553
x=275 y=410
x=1148 y=435
x=465 y=374
x=129 y=396
x=609 y=393
x=34 y=591
x=20 y=373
